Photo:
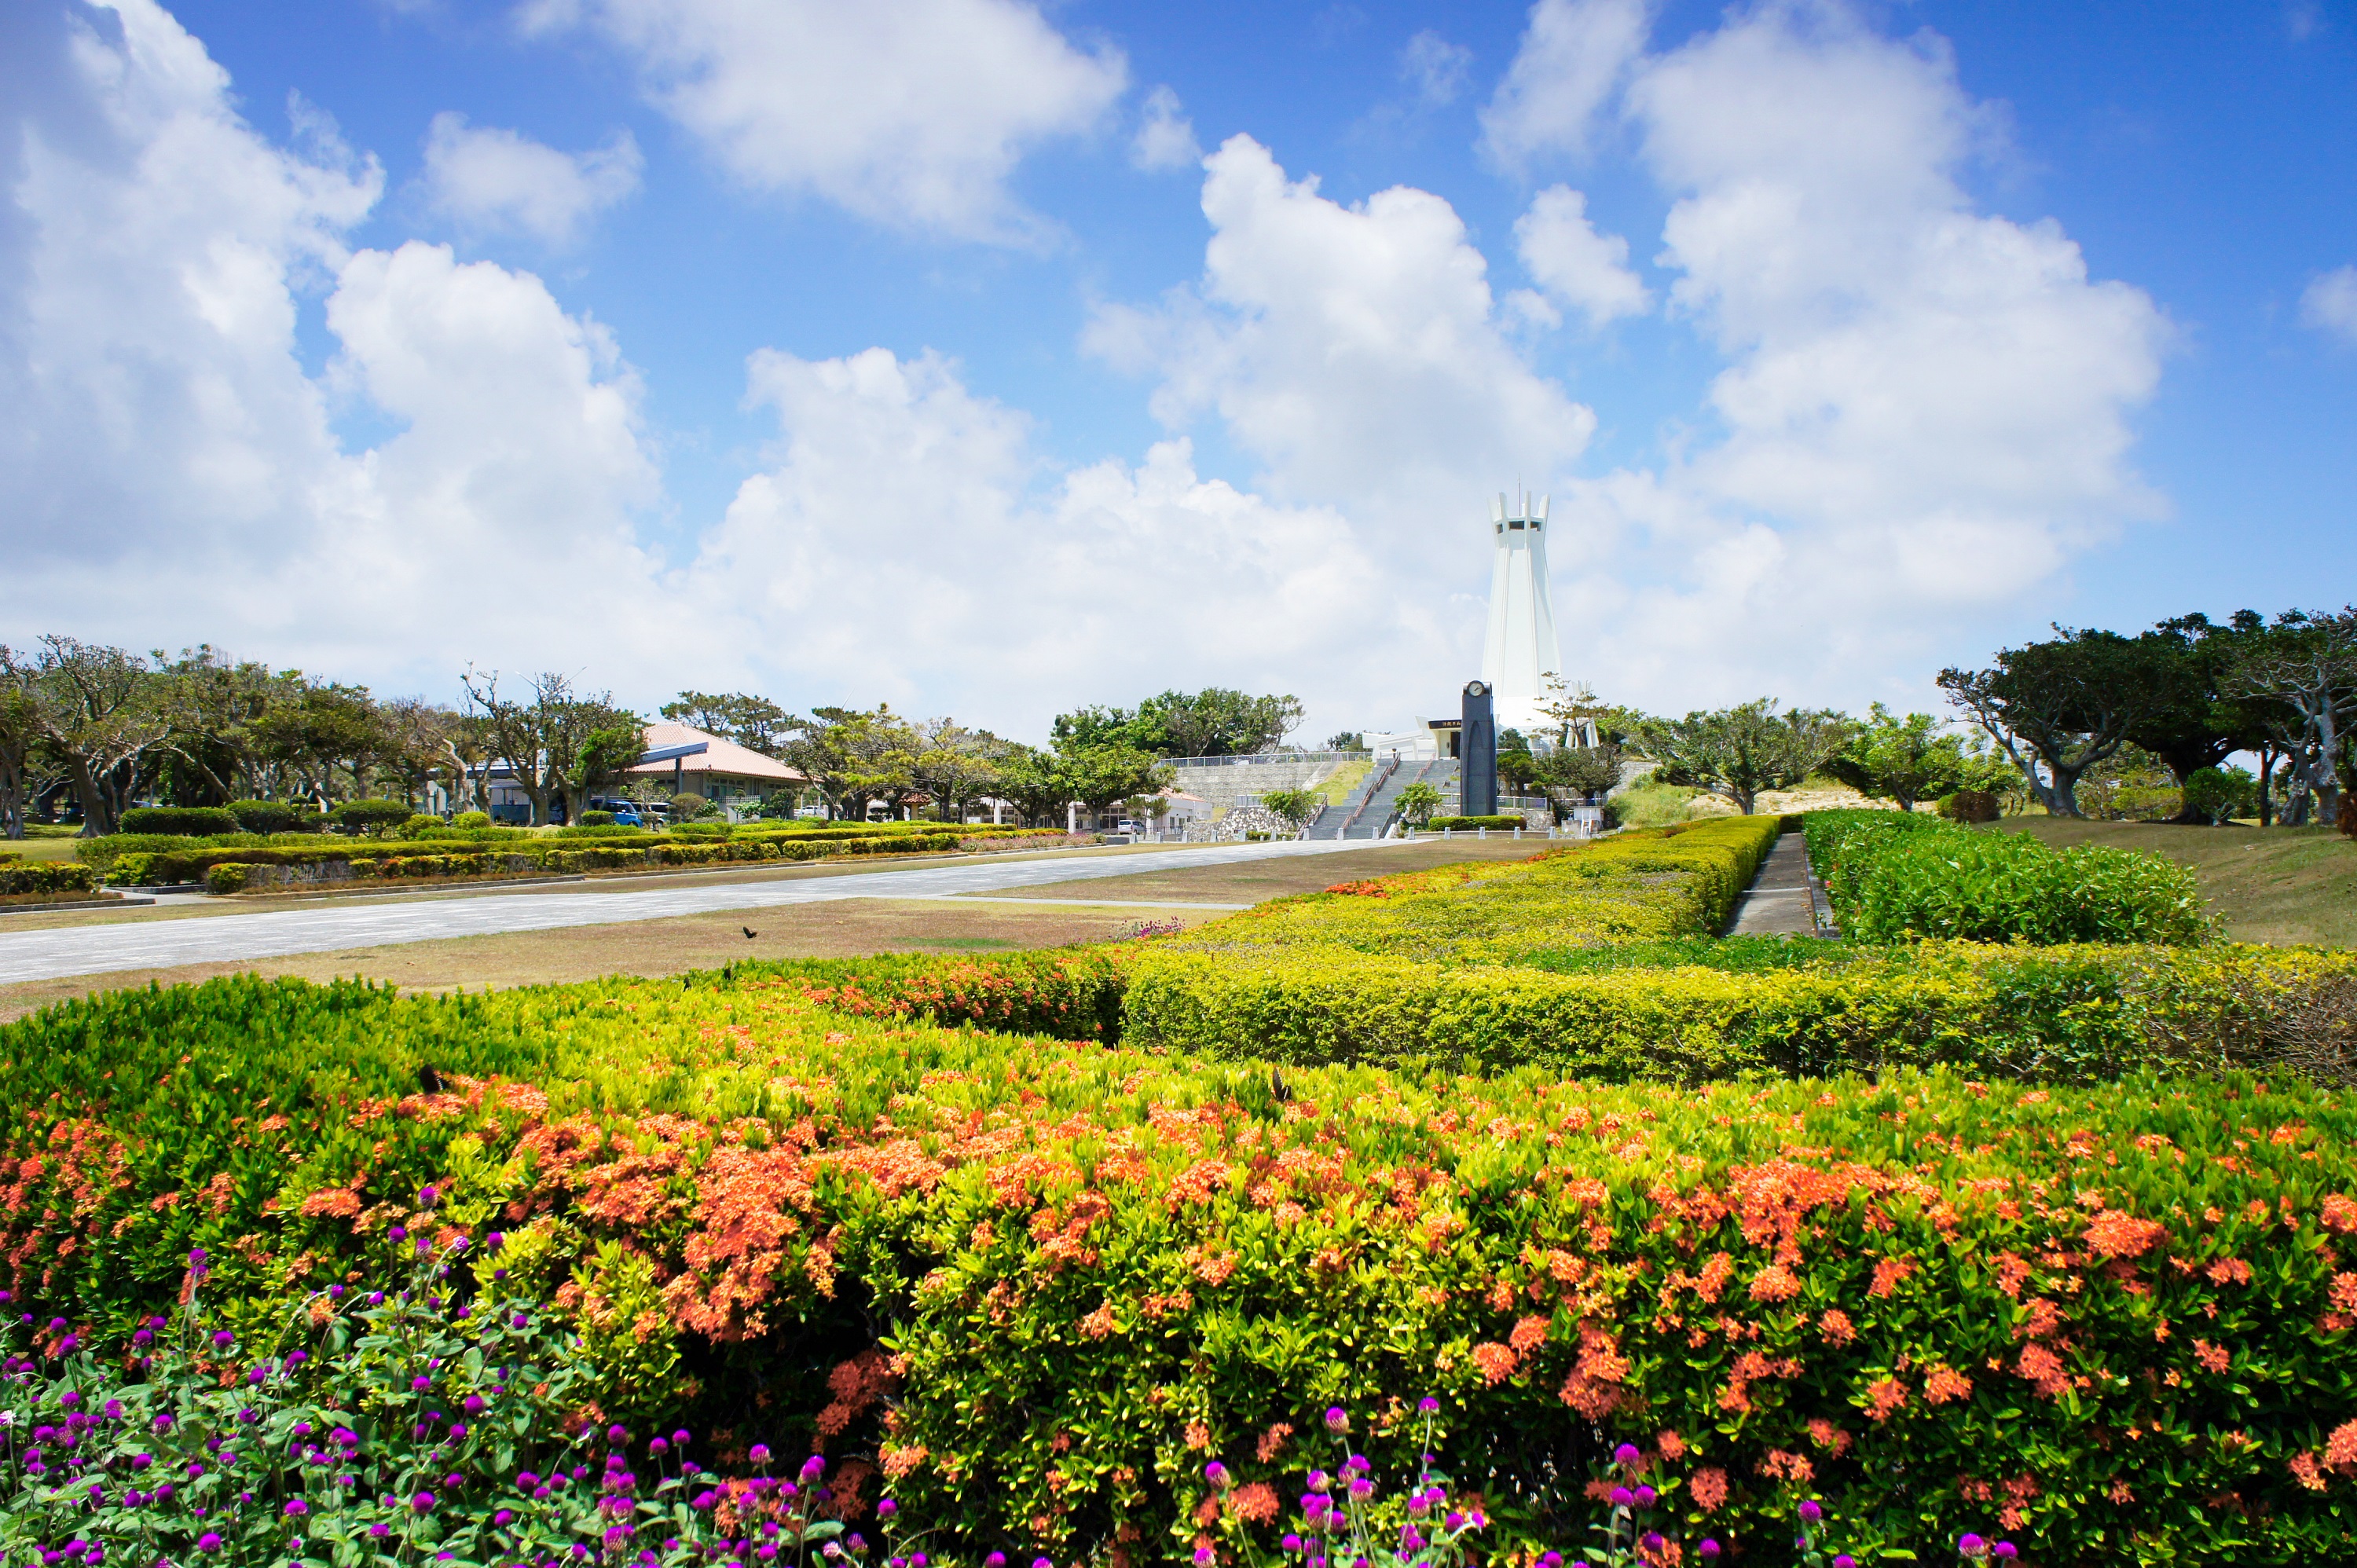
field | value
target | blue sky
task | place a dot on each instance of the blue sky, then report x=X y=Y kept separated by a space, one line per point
x=1852 y=341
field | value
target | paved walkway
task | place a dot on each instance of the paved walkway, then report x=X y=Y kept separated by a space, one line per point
x=1778 y=902
x=232 y=939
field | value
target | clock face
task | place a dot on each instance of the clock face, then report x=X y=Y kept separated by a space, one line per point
x=1476 y=689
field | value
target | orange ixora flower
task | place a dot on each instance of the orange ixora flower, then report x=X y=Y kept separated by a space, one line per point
x=1708 y=1489
x=1886 y=1396
x=1945 y=1384
x=1256 y=1502
x=1497 y=1362
x=2116 y=1235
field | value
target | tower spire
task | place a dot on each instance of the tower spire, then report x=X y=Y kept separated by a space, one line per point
x=1520 y=650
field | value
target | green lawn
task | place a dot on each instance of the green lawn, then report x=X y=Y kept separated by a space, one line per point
x=46 y=845
x=2269 y=885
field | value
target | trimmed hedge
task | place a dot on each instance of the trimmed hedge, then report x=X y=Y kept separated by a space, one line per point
x=435 y=857
x=1667 y=882
x=1045 y=1283
x=2059 y=1014
x=42 y=878
x=1464 y=824
x=1897 y=877
x=196 y=821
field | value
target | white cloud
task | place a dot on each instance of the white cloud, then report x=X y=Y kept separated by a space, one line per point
x=910 y=114
x=172 y=474
x=2330 y=304
x=1001 y=593
x=1435 y=68
x=1586 y=270
x=1166 y=137
x=488 y=178
x=1573 y=58
x=1355 y=350
x=1925 y=411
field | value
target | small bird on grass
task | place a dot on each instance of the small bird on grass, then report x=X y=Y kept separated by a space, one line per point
x=750 y=932
x=428 y=1079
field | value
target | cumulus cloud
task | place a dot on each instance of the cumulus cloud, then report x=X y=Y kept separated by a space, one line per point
x=2330 y=304
x=1356 y=351
x=1573 y=58
x=1003 y=590
x=486 y=179
x=1586 y=270
x=911 y=115
x=1166 y=137
x=1926 y=410
x=173 y=474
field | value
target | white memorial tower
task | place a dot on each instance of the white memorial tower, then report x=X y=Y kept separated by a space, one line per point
x=1520 y=650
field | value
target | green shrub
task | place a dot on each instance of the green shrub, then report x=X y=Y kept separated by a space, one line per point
x=1467 y=823
x=2219 y=795
x=187 y=821
x=1043 y=1283
x=276 y=816
x=596 y=819
x=225 y=879
x=42 y=878
x=1970 y=806
x=471 y=820
x=1896 y=876
x=372 y=816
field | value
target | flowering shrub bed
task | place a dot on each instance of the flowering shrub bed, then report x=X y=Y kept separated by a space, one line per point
x=1897 y=877
x=1044 y=1285
x=441 y=1421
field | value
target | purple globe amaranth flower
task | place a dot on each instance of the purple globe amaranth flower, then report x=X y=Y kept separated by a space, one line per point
x=679 y=1439
x=887 y=1509
x=1622 y=1496
x=1646 y=1497
x=209 y=1541
x=759 y=1454
x=1971 y=1545
x=1216 y=1473
x=1428 y=1405
x=2006 y=1550
x=1844 y=1559
x=1337 y=1419
x=1810 y=1512
x=1627 y=1454
x=423 y=1502
x=1706 y=1547
x=996 y=1559
x=425 y=1197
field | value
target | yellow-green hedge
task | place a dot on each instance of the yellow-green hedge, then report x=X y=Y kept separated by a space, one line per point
x=2063 y=1013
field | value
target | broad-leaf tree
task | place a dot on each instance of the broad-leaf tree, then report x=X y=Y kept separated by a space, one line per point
x=2056 y=709
x=854 y=756
x=558 y=745
x=1900 y=759
x=1740 y=752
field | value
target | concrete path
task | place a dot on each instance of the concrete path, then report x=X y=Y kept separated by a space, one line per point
x=232 y=939
x=1778 y=902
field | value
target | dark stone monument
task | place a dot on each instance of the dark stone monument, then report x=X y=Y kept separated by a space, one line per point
x=1477 y=752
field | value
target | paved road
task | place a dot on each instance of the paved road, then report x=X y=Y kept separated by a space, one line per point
x=1778 y=902
x=230 y=939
